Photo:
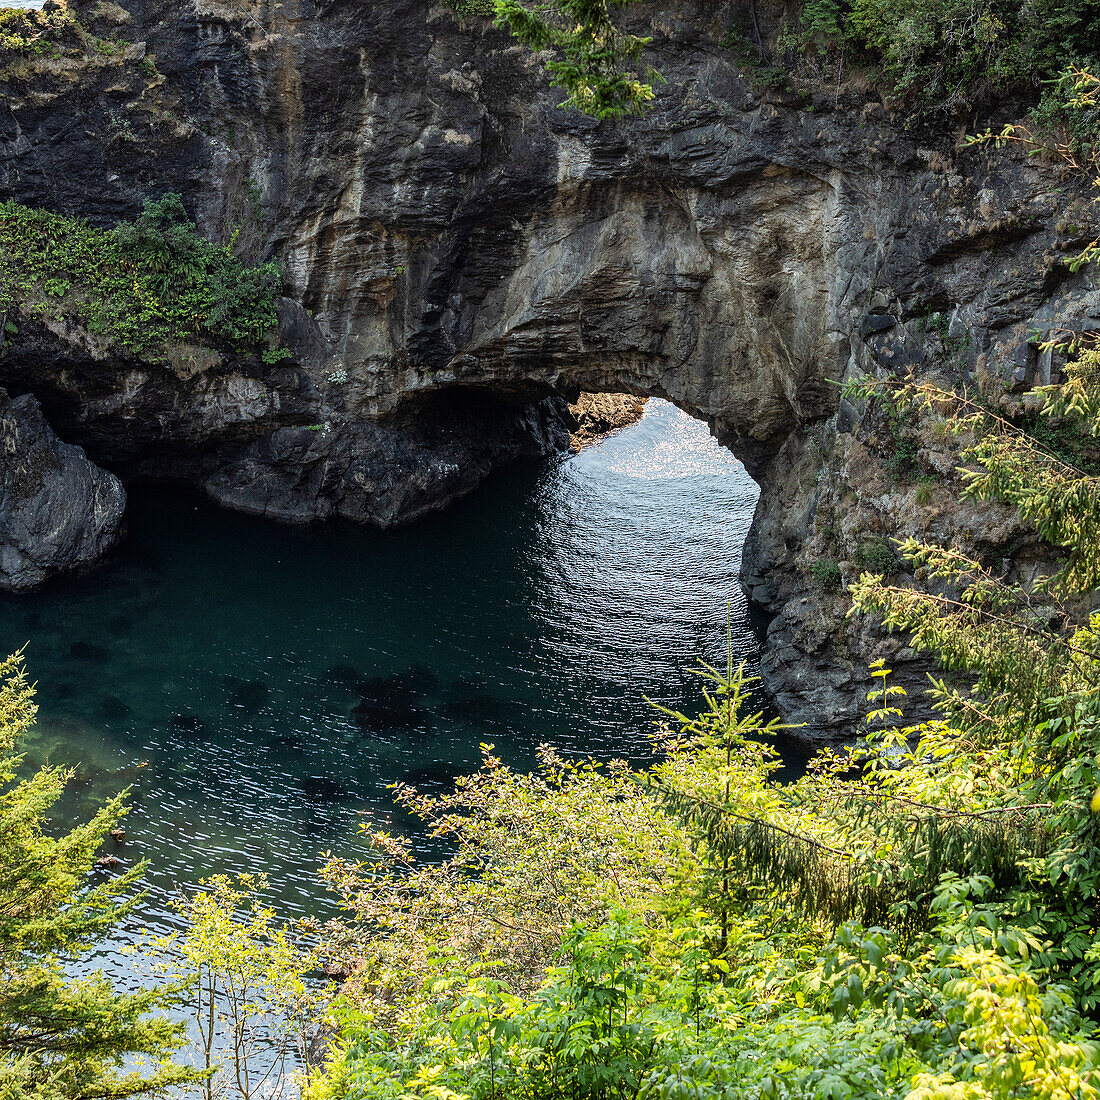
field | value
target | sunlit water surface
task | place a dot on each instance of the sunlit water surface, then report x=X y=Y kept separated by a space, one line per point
x=258 y=687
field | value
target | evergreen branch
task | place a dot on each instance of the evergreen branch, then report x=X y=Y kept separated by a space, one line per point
x=725 y=811
x=1050 y=640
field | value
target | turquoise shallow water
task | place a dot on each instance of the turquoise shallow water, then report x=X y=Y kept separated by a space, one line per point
x=259 y=686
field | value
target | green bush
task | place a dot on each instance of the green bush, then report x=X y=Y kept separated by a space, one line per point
x=26 y=34
x=901 y=461
x=877 y=555
x=142 y=285
x=484 y=8
x=950 y=54
x=826 y=574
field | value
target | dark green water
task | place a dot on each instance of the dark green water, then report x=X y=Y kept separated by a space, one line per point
x=259 y=686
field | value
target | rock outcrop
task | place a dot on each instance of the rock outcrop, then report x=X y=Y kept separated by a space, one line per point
x=598 y=415
x=461 y=255
x=58 y=511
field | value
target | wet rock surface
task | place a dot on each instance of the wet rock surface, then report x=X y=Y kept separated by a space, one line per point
x=462 y=257
x=58 y=511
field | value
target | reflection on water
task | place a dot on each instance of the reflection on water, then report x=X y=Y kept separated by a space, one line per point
x=257 y=687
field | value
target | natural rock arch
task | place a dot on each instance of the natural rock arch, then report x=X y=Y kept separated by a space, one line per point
x=460 y=254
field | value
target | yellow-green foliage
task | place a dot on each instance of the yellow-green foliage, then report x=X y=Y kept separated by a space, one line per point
x=709 y=961
x=25 y=34
x=30 y=40
x=591 y=57
x=246 y=976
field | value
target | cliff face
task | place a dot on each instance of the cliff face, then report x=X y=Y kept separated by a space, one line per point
x=461 y=255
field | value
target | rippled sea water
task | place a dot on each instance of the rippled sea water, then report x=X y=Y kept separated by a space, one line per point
x=259 y=686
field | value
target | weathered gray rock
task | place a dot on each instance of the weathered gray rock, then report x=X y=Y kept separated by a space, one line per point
x=58 y=511
x=370 y=473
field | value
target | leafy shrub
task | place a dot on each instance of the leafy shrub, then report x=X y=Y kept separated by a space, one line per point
x=245 y=974
x=141 y=285
x=1069 y=109
x=826 y=574
x=26 y=34
x=901 y=461
x=877 y=556
x=939 y=55
x=485 y=8
x=939 y=50
x=947 y=54
x=820 y=25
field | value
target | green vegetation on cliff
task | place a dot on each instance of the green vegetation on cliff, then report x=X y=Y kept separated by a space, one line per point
x=936 y=55
x=32 y=41
x=949 y=54
x=28 y=33
x=140 y=286
x=594 y=60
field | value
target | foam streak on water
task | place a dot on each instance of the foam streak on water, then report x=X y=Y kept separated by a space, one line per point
x=260 y=686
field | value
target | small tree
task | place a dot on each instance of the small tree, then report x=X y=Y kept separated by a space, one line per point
x=595 y=60
x=60 y=1037
x=250 y=1003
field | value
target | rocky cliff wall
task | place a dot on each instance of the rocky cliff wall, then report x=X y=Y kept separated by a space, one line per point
x=461 y=255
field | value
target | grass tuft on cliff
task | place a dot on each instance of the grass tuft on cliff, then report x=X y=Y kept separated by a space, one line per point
x=139 y=287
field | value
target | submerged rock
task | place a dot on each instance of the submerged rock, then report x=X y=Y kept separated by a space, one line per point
x=248 y=695
x=347 y=678
x=58 y=511
x=112 y=709
x=188 y=725
x=425 y=679
x=433 y=779
x=120 y=624
x=466 y=702
x=372 y=716
x=322 y=788
x=291 y=742
x=397 y=691
x=86 y=651
x=386 y=703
